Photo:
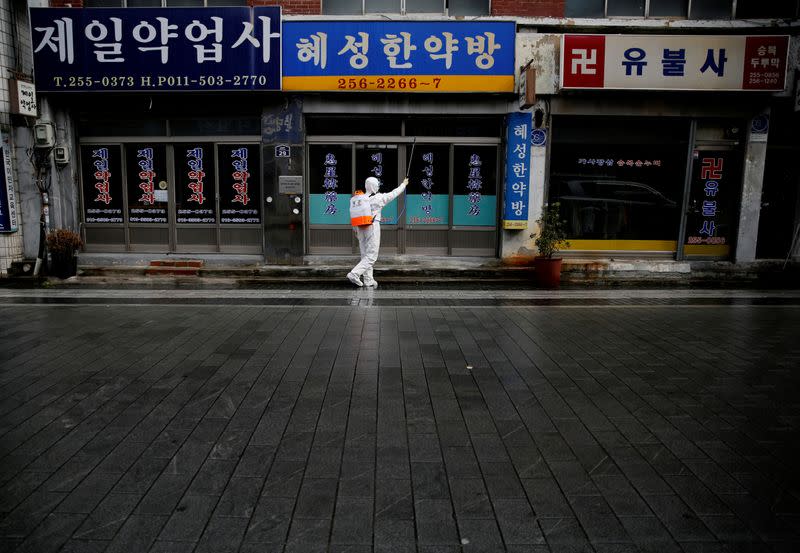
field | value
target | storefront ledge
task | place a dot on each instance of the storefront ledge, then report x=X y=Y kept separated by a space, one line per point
x=614 y=266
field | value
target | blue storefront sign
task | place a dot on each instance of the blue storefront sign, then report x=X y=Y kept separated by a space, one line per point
x=518 y=167
x=399 y=56
x=149 y=49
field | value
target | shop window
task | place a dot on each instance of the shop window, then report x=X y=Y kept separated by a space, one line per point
x=451 y=7
x=122 y=127
x=623 y=183
x=354 y=126
x=774 y=9
x=453 y=126
x=475 y=186
x=148 y=187
x=330 y=178
x=711 y=9
x=625 y=8
x=585 y=8
x=428 y=192
x=216 y=126
x=642 y=8
x=195 y=190
x=239 y=184
x=468 y=7
x=669 y=8
x=102 y=184
x=162 y=3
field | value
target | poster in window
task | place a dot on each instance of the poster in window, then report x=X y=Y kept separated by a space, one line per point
x=428 y=192
x=239 y=184
x=618 y=191
x=475 y=186
x=712 y=209
x=379 y=162
x=195 y=190
x=330 y=184
x=102 y=183
x=148 y=188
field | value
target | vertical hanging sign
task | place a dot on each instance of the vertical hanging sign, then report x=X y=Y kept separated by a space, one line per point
x=518 y=166
x=8 y=203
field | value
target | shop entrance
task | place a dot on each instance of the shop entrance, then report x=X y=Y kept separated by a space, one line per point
x=450 y=206
x=183 y=196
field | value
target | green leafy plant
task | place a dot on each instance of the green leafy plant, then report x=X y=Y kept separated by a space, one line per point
x=552 y=237
x=63 y=242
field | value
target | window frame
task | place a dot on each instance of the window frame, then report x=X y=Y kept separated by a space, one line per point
x=163 y=4
x=403 y=10
x=647 y=15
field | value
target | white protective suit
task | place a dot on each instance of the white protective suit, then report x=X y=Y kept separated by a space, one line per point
x=369 y=238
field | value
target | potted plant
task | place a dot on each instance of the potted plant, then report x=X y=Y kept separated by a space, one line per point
x=63 y=245
x=551 y=238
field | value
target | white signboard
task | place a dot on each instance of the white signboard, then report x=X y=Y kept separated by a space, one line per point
x=674 y=62
x=26 y=99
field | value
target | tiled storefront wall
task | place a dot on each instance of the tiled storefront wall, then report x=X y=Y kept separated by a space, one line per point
x=10 y=42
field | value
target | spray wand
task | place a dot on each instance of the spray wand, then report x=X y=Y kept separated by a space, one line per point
x=408 y=170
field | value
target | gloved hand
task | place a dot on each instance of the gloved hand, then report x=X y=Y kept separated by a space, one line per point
x=404 y=183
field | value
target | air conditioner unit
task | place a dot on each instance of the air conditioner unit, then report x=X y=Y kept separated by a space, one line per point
x=43 y=135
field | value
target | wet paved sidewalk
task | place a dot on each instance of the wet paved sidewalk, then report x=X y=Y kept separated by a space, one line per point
x=399 y=421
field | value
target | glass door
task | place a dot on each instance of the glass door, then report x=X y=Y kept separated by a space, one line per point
x=381 y=161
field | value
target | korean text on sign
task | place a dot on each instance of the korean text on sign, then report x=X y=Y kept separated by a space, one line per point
x=154 y=49
x=518 y=161
x=674 y=62
x=399 y=56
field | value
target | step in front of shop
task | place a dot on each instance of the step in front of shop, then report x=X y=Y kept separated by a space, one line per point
x=174 y=267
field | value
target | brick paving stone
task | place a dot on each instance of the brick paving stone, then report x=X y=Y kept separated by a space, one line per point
x=342 y=428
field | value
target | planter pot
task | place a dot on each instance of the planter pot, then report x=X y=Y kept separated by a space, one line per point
x=64 y=265
x=547 y=272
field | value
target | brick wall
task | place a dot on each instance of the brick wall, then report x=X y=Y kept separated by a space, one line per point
x=528 y=8
x=293 y=7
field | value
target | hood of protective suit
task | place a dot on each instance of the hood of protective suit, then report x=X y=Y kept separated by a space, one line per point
x=372 y=185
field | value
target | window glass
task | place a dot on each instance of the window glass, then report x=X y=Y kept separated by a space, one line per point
x=148 y=188
x=382 y=6
x=355 y=126
x=341 y=7
x=711 y=9
x=425 y=6
x=102 y=183
x=143 y=3
x=195 y=190
x=620 y=187
x=454 y=126
x=713 y=198
x=239 y=183
x=223 y=3
x=330 y=182
x=379 y=161
x=758 y=9
x=428 y=192
x=216 y=126
x=475 y=186
x=184 y=3
x=468 y=7
x=116 y=127
x=626 y=8
x=102 y=4
x=666 y=8
x=584 y=8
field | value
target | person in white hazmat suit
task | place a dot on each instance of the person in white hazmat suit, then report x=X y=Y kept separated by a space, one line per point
x=365 y=216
